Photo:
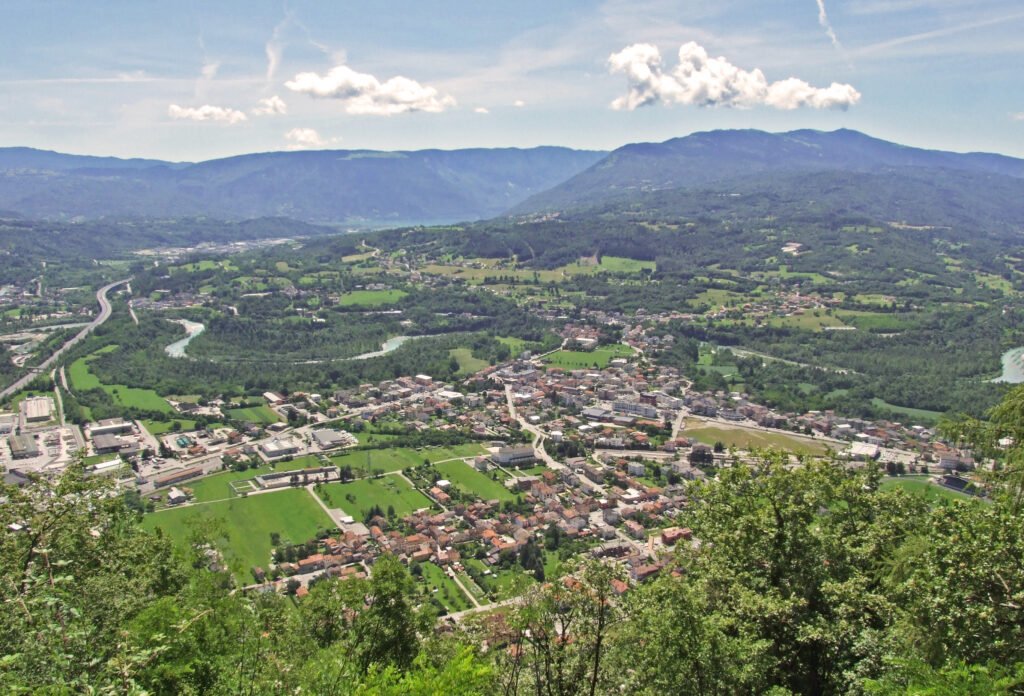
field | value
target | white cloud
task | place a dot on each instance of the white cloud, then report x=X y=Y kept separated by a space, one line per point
x=271 y=106
x=209 y=70
x=303 y=138
x=703 y=81
x=826 y=24
x=481 y=110
x=1019 y=116
x=206 y=113
x=362 y=93
x=519 y=103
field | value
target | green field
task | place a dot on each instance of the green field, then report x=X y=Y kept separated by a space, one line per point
x=581 y=360
x=247 y=524
x=436 y=583
x=218 y=486
x=398 y=458
x=469 y=479
x=260 y=415
x=158 y=428
x=916 y=414
x=387 y=491
x=371 y=298
x=750 y=438
x=922 y=485
x=500 y=582
x=82 y=379
x=468 y=365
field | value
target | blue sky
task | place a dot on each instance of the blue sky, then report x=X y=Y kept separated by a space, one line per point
x=198 y=80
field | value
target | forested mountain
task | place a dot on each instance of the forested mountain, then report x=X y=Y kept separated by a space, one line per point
x=720 y=157
x=356 y=187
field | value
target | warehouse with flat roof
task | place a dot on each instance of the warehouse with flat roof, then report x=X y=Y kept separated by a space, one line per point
x=23 y=446
x=37 y=409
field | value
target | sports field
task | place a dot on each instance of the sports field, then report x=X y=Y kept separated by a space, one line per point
x=749 y=438
x=246 y=525
x=581 y=360
x=357 y=497
x=471 y=480
x=923 y=486
x=371 y=298
x=398 y=458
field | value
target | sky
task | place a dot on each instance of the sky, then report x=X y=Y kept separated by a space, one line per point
x=191 y=80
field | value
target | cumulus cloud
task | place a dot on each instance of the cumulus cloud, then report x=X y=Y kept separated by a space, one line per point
x=519 y=103
x=704 y=81
x=206 y=113
x=304 y=138
x=362 y=93
x=481 y=110
x=271 y=106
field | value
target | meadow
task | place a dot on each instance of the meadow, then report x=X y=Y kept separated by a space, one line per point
x=383 y=492
x=469 y=479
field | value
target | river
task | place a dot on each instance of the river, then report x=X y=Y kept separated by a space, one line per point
x=392 y=344
x=193 y=329
x=1013 y=367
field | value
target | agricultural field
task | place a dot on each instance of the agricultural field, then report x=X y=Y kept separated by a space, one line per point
x=469 y=479
x=246 y=525
x=386 y=491
x=371 y=298
x=743 y=438
x=581 y=360
x=917 y=414
x=260 y=415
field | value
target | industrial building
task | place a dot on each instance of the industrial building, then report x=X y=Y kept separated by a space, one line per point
x=23 y=446
x=37 y=409
x=329 y=439
x=276 y=449
x=177 y=476
x=111 y=426
x=514 y=456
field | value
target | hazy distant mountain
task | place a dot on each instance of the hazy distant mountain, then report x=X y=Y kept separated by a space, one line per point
x=337 y=186
x=717 y=157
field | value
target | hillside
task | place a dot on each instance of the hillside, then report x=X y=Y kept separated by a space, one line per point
x=352 y=187
x=718 y=157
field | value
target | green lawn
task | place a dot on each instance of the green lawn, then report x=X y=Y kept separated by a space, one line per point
x=579 y=360
x=922 y=485
x=386 y=491
x=468 y=365
x=371 y=298
x=502 y=582
x=471 y=480
x=218 y=486
x=747 y=438
x=158 y=428
x=246 y=525
x=260 y=415
x=436 y=583
x=398 y=458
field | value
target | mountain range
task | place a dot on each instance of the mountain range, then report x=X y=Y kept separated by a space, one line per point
x=364 y=188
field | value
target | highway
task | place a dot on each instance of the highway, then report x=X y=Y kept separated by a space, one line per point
x=105 y=310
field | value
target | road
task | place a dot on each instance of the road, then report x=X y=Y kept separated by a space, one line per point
x=538 y=434
x=105 y=310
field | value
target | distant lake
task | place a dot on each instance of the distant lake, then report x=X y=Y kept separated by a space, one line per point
x=1013 y=367
x=193 y=329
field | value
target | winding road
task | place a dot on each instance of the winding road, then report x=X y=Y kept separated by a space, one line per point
x=105 y=310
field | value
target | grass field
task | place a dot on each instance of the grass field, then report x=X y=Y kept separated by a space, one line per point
x=489 y=269
x=503 y=583
x=158 y=428
x=398 y=458
x=218 y=486
x=82 y=378
x=437 y=584
x=261 y=415
x=921 y=485
x=468 y=365
x=471 y=480
x=581 y=360
x=247 y=524
x=748 y=438
x=371 y=298
x=387 y=491
x=917 y=414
